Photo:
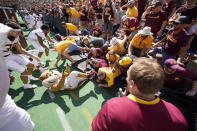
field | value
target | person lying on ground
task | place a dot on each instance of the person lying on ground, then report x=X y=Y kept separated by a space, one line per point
x=66 y=80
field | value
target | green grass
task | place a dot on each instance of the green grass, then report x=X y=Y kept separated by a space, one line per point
x=79 y=106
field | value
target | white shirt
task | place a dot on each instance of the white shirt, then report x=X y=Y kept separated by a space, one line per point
x=33 y=36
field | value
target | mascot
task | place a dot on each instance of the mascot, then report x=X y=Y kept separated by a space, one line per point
x=66 y=80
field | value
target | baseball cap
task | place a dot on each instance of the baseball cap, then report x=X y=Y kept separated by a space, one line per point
x=181 y=20
x=156 y=4
x=125 y=61
x=130 y=2
x=171 y=63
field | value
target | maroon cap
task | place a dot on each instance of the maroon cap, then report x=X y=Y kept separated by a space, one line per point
x=171 y=63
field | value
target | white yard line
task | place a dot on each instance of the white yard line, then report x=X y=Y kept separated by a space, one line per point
x=63 y=120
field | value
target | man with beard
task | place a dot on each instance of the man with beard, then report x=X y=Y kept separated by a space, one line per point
x=176 y=41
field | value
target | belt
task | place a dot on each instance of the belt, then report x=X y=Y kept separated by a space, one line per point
x=6 y=55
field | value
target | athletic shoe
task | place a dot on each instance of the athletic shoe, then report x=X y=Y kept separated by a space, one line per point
x=29 y=86
x=30 y=77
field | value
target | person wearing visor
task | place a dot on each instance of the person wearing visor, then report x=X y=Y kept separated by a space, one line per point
x=132 y=10
x=175 y=43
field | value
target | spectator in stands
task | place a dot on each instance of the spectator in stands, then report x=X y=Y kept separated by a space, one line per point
x=192 y=51
x=108 y=17
x=169 y=7
x=155 y=14
x=99 y=63
x=73 y=12
x=118 y=46
x=99 y=16
x=131 y=26
x=141 y=5
x=132 y=10
x=175 y=42
x=141 y=42
x=145 y=78
x=96 y=31
x=189 y=10
x=66 y=47
x=93 y=42
x=83 y=18
x=95 y=53
x=106 y=76
x=175 y=76
x=117 y=17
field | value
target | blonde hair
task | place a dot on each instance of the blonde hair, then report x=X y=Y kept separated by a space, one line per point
x=147 y=74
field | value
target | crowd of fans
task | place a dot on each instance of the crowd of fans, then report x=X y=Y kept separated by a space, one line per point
x=140 y=41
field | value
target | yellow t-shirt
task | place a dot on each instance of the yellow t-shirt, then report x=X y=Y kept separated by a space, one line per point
x=71 y=27
x=147 y=42
x=110 y=76
x=115 y=48
x=73 y=12
x=70 y=39
x=61 y=46
x=132 y=12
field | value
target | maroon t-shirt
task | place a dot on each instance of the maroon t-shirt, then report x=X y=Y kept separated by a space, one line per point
x=133 y=22
x=190 y=13
x=168 y=7
x=124 y=114
x=155 y=21
x=176 y=79
x=108 y=12
x=175 y=41
x=99 y=52
x=193 y=45
x=142 y=5
x=100 y=11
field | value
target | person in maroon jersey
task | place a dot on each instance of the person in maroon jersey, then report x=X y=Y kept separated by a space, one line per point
x=155 y=14
x=108 y=17
x=169 y=7
x=84 y=17
x=141 y=110
x=99 y=12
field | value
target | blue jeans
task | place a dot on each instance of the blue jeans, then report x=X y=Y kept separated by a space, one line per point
x=160 y=50
x=115 y=28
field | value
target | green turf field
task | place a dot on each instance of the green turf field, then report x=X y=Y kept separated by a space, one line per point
x=70 y=110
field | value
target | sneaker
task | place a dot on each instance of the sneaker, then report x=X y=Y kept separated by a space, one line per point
x=29 y=86
x=30 y=77
x=91 y=75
